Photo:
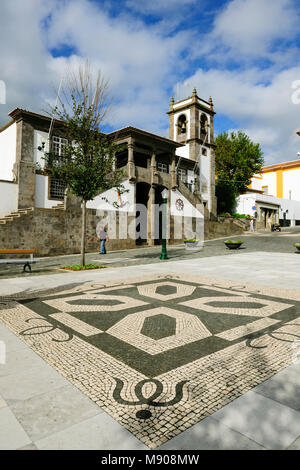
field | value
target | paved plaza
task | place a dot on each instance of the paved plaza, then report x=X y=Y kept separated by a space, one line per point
x=195 y=353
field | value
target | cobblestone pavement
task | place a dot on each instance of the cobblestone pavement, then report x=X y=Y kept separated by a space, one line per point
x=159 y=353
x=283 y=242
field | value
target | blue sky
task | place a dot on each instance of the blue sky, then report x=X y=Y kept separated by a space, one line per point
x=243 y=53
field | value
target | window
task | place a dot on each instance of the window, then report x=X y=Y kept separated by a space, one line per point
x=164 y=167
x=182 y=173
x=265 y=189
x=58 y=145
x=204 y=151
x=57 y=189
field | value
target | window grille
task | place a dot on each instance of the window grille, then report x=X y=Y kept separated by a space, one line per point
x=57 y=189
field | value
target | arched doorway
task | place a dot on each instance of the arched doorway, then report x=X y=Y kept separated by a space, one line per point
x=158 y=214
x=142 y=197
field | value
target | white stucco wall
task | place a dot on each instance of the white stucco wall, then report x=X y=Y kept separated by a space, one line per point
x=182 y=103
x=41 y=193
x=125 y=203
x=205 y=168
x=183 y=151
x=269 y=179
x=188 y=209
x=39 y=138
x=8 y=152
x=245 y=202
x=256 y=182
x=291 y=182
x=8 y=197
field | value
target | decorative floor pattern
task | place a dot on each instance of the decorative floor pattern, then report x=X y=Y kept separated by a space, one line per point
x=160 y=353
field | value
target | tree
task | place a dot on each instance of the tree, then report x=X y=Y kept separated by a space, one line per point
x=87 y=166
x=237 y=160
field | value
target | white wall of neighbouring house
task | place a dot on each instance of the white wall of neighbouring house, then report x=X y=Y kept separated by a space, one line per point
x=270 y=180
x=291 y=182
x=8 y=142
x=256 y=182
x=8 y=197
x=41 y=193
x=123 y=203
x=244 y=204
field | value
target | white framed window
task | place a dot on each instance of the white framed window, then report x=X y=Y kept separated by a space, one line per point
x=164 y=167
x=182 y=174
x=58 y=145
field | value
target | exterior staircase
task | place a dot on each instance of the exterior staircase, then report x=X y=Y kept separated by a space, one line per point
x=59 y=207
x=15 y=215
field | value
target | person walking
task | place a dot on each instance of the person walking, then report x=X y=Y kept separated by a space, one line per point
x=103 y=237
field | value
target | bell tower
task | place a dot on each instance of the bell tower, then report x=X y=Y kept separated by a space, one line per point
x=191 y=122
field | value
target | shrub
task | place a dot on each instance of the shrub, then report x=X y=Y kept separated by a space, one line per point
x=78 y=267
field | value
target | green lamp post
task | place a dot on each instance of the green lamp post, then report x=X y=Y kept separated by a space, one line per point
x=164 y=255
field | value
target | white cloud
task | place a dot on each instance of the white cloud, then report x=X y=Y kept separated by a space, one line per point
x=24 y=59
x=251 y=26
x=265 y=112
x=143 y=62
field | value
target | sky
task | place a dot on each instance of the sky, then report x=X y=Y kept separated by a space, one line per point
x=243 y=53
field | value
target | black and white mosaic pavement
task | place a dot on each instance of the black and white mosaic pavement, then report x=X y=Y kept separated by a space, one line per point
x=160 y=353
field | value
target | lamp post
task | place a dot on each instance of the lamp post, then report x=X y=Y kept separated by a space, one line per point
x=163 y=255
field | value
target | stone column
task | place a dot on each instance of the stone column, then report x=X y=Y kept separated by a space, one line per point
x=24 y=167
x=171 y=120
x=151 y=217
x=154 y=172
x=131 y=164
x=173 y=171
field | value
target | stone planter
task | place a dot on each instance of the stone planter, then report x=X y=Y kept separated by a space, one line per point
x=297 y=246
x=196 y=245
x=233 y=246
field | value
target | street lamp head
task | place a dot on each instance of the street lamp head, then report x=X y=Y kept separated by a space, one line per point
x=165 y=193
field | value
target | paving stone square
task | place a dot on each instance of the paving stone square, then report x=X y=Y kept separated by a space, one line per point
x=159 y=353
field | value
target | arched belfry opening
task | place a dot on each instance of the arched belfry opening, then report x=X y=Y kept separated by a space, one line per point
x=182 y=124
x=203 y=124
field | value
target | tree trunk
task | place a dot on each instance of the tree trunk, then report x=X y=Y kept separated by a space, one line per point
x=83 y=231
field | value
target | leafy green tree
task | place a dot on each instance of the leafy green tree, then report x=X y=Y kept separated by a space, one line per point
x=237 y=160
x=87 y=166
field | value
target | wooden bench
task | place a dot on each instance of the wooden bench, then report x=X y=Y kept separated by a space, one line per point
x=26 y=261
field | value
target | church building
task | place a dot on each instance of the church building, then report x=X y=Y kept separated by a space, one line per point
x=183 y=164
